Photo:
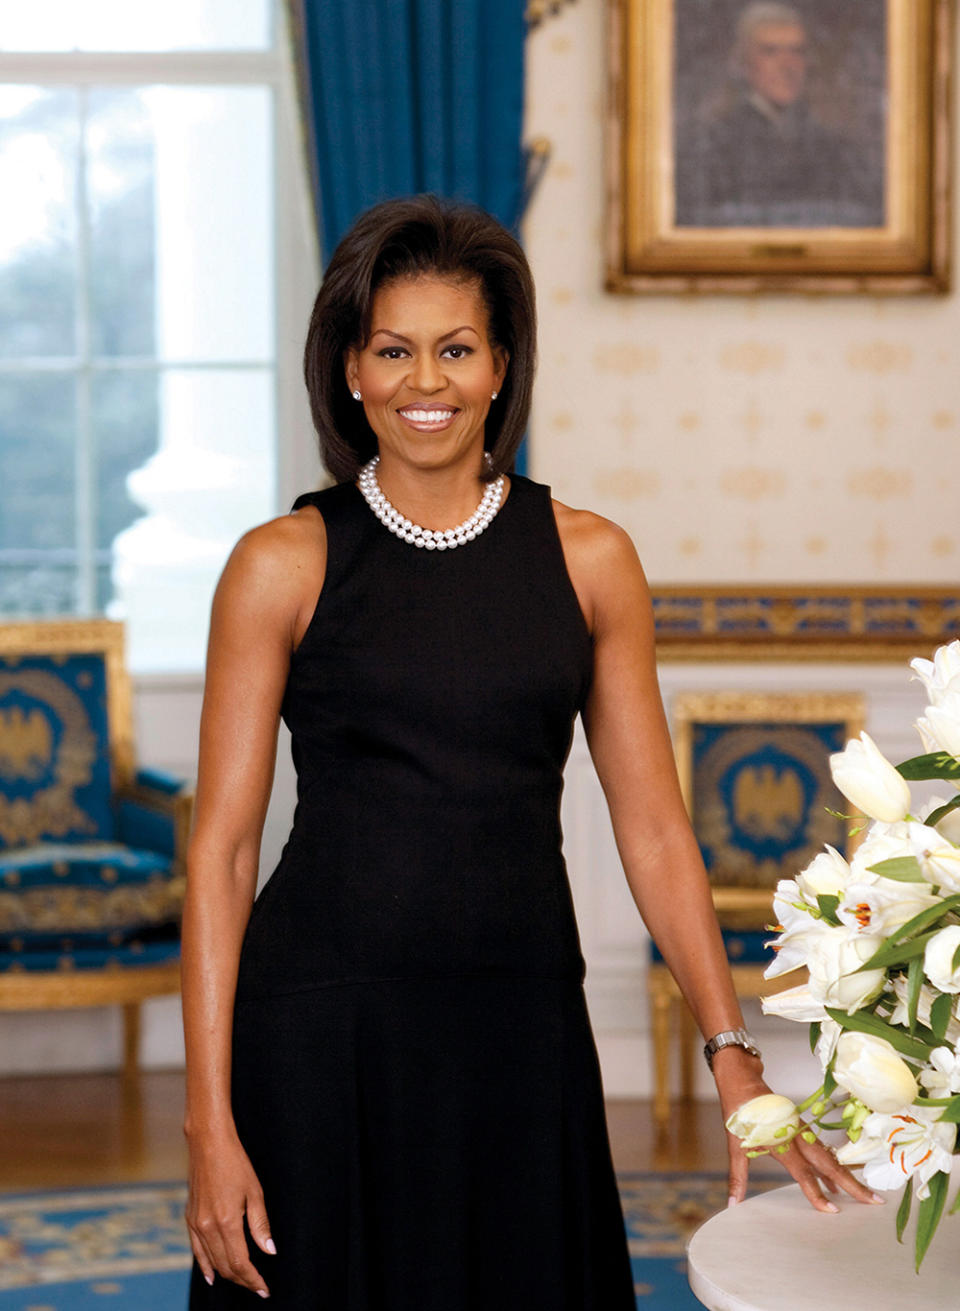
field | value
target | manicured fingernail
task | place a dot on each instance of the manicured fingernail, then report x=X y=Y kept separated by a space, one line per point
x=269 y=1245
x=877 y=1198
x=830 y=1207
x=262 y=1292
x=731 y=1201
x=208 y=1278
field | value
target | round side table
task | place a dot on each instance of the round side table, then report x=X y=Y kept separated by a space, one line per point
x=774 y=1252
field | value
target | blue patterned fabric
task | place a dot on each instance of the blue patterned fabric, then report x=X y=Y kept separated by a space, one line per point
x=151 y=946
x=410 y=96
x=54 y=759
x=87 y=899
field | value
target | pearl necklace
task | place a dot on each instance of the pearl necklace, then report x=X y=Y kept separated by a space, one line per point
x=432 y=540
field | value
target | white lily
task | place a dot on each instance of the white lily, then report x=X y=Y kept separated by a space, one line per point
x=944 y=1079
x=937 y=856
x=795 y=1004
x=911 y=1144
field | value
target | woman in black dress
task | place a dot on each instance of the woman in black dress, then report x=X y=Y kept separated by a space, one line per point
x=393 y=1095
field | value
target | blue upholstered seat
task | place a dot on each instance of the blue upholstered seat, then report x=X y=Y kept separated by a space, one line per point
x=92 y=871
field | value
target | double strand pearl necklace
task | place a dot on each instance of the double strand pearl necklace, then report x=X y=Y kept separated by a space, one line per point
x=431 y=540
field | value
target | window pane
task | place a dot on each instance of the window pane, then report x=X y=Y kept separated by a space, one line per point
x=38 y=161
x=211 y=478
x=37 y=521
x=122 y=25
x=125 y=415
x=121 y=157
x=214 y=222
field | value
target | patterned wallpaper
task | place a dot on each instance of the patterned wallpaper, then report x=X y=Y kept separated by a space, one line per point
x=782 y=439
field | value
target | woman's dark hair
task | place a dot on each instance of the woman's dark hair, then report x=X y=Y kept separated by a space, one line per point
x=409 y=237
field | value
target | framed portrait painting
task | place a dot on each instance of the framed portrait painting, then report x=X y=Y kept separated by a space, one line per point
x=755 y=774
x=763 y=145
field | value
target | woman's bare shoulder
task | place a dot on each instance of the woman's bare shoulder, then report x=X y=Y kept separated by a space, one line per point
x=593 y=542
x=275 y=570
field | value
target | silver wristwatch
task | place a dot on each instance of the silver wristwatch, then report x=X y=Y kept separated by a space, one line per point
x=729 y=1038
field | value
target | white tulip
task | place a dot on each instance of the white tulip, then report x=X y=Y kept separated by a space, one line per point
x=834 y=962
x=938 y=959
x=894 y=1148
x=865 y=777
x=939 y=673
x=869 y=1069
x=766 y=1121
x=826 y=876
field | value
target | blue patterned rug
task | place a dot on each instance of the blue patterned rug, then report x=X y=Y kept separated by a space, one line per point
x=126 y=1247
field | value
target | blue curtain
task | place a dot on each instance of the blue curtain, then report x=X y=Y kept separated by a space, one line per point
x=403 y=96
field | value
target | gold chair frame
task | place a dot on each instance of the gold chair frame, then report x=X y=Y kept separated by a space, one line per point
x=126 y=986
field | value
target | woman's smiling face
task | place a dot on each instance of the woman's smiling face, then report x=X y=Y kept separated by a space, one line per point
x=427 y=372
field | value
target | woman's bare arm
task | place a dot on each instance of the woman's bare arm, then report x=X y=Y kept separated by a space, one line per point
x=261 y=607
x=630 y=745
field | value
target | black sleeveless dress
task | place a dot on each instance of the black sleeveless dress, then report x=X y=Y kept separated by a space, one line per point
x=414 y=1075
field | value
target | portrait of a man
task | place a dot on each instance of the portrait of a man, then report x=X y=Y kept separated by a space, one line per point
x=779 y=114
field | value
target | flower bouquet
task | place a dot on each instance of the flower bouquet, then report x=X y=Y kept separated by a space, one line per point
x=880 y=939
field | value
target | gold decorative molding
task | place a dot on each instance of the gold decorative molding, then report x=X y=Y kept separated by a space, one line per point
x=824 y=623
x=539 y=10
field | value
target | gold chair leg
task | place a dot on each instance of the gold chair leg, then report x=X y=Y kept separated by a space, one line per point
x=660 y=1001
x=688 y=1042
x=131 y=1041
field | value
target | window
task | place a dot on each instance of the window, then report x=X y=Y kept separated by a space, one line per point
x=139 y=162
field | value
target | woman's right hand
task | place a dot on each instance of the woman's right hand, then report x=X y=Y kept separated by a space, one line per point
x=223 y=1187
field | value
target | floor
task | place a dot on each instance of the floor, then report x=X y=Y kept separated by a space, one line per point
x=82 y=1129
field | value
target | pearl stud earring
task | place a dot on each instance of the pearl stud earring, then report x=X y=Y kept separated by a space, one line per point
x=356 y=395
x=494 y=395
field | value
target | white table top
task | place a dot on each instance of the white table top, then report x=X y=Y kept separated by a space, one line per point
x=774 y=1252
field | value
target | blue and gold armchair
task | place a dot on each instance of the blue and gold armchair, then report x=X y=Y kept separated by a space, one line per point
x=755 y=774
x=92 y=849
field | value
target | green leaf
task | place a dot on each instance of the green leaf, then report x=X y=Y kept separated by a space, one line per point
x=951 y=1114
x=828 y=904
x=903 y=869
x=929 y=1212
x=914 y=982
x=935 y=816
x=860 y=1022
x=925 y=920
x=903 y=1210
x=956 y=1205
x=956 y=959
x=940 y=1014
x=829 y=1082
x=938 y=764
x=896 y=953
x=815 y=1028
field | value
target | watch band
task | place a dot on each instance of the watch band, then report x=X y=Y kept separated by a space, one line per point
x=729 y=1038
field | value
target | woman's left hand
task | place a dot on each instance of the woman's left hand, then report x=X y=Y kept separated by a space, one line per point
x=739 y=1077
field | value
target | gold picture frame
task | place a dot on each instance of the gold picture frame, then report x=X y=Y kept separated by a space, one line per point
x=831 y=179
x=755 y=776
